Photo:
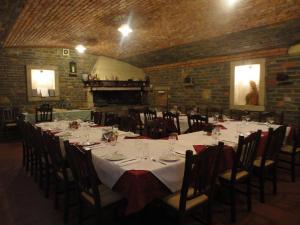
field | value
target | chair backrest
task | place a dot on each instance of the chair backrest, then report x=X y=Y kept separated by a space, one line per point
x=245 y=154
x=128 y=123
x=274 y=144
x=150 y=115
x=134 y=113
x=237 y=114
x=156 y=129
x=83 y=170
x=211 y=111
x=296 y=139
x=96 y=117
x=22 y=128
x=278 y=117
x=200 y=173
x=196 y=122
x=53 y=146
x=43 y=114
x=9 y=114
x=39 y=145
x=172 y=120
x=111 y=119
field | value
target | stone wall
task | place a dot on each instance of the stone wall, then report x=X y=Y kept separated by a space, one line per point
x=13 y=63
x=212 y=83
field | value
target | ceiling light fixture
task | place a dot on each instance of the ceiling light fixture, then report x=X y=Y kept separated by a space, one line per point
x=231 y=2
x=125 y=30
x=80 y=48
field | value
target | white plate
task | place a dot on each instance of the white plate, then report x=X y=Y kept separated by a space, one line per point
x=131 y=135
x=169 y=157
x=115 y=157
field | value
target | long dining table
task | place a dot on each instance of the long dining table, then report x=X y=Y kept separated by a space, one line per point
x=143 y=169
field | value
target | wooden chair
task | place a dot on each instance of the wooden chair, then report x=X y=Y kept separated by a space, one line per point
x=26 y=153
x=96 y=117
x=8 y=122
x=90 y=189
x=128 y=123
x=196 y=123
x=278 y=117
x=149 y=115
x=31 y=163
x=241 y=171
x=172 y=120
x=43 y=114
x=267 y=163
x=135 y=114
x=111 y=119
x=156 y=129
x=290 y=153
x=211 y=111
x=237 y=114
x=200 y=173
x=43 y=166
x=62 y=173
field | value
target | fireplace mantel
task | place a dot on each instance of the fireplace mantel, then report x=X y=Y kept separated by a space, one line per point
x=102 y=85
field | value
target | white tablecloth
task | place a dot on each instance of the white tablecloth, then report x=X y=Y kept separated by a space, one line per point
x=169 y=173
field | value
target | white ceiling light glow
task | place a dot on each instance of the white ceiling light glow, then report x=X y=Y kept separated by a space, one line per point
x=125 y=30
x=231 y=2
x=80 y=48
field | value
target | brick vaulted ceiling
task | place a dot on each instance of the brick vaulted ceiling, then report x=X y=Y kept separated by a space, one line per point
x=157 y=24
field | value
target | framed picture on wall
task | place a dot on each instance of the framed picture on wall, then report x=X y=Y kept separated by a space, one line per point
x=73 y=69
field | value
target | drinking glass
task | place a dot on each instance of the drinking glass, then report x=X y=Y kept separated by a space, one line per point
x=215 y=134
x=172 y=140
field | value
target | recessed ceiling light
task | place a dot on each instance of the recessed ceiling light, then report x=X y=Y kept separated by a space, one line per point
x=231 y=2
x=80 y=48
x=125 y=29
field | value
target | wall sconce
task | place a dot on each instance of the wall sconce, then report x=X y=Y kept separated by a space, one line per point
x=73 y=69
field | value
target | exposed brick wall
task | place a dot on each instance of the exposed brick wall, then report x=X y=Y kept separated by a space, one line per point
x=13 y=63
x=215 y=78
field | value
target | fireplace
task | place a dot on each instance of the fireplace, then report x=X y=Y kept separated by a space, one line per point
x=106 y=98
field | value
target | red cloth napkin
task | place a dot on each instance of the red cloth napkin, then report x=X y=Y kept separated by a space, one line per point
x=221 y=126
x=139 y=137
x=199 y=148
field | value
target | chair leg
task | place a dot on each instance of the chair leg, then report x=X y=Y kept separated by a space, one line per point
x=66 y=203
x=56 y=193
x=249 y=193
x=262 y=187
x=274 y=180
x=209 y=214
x=232 y=204
x=24 y=155
x=293 y=169
x=80 y=215
x=47 y=183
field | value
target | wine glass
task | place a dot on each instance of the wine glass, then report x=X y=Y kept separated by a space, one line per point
x=215 y=134
x=107 y=136
x=270 y=120
x=216 y=117
x=172 y=140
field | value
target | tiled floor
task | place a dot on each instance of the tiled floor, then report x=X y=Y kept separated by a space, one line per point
x=23 y=203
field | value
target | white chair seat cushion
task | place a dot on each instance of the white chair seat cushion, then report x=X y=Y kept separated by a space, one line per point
x=257 y=162
x=107 y=196
x=174 y=200
x=289 y=149
x=239 y=175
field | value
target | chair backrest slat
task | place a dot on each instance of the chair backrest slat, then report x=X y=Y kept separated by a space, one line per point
x=172 y=120
x=43 y=114
x=197 y=122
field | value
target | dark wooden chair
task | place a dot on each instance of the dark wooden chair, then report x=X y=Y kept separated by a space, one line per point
x=90 y=189
x=31 y=162
x=128 y=123
x=43 y=166
x=200 y=173
x=196 y=123
x=43 y=114
x=289 y=154
x=211 y=111
x=63 y=175
x=8 y=122
x=237 y=114
x=96 y=117
x=111 y=119
x=241 y=171
x=26 y=152
x=149 y=115
x=156 y=129
x=172 y=120
x=267 y=163
x=136 y=115
x=277 y=117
